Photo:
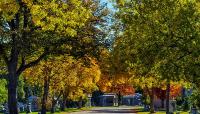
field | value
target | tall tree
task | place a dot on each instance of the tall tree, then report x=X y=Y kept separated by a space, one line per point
x=63 y=76
x=148 y=84
x=48 y=75
x=159 y=36
x=29 y=30
x=81 y=80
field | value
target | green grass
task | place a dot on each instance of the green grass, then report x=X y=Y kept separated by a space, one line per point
x=140 y=110
x=161 y=112
x=67 y=110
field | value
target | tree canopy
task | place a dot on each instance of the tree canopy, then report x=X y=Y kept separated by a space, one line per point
x=159 y=37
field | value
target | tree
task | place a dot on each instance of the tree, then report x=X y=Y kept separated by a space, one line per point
x=119 y=84
x=159 y=37
x=30 y=30
x=63 y=77
x=148 y=84
x=81 y=81
x=48 y=75
x=175 y=91
x=115 y=77
x=91 y=38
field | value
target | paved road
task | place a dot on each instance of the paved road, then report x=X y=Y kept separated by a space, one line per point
x=108 y=110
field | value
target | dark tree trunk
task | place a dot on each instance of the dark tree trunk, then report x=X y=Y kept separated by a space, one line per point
x=64 y=101
x=54 y=102
x=80 y=103
x=162 y=103
x=151 y=95
x=119 y=99
x=45 y=96
x=152 y=101
x=53 y=107
x=13 y=82
x=12 y=94
x=167 y=96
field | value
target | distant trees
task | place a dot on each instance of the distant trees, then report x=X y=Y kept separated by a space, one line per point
x=113 y=77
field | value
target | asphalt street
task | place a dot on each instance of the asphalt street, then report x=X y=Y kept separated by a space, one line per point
x=108 y=110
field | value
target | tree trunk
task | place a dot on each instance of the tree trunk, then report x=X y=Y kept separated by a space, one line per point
x=63 y=105
x=53 y=107
x=45 y=96
x=167 y=96
x=54 y=102
x=119 y=99
x=152 y=101
x=162 y=103
x=80 y=103
x=151 y=93
x=12 y=94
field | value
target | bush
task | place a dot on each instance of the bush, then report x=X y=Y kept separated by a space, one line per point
x=195 y=98
x=186 y=105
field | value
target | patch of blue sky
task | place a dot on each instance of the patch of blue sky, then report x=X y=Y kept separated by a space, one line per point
x=109 y=4
x=110 y=22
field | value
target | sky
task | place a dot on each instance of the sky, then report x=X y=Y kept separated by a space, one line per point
x=109 y=4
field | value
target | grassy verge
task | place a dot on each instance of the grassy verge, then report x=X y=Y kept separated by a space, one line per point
x=161 y=112
x=67 y=110
x=140 y=110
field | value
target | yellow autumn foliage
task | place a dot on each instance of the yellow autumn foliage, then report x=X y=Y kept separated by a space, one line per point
x=65 y=74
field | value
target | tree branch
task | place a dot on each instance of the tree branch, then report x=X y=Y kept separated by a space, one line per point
x=24 y=66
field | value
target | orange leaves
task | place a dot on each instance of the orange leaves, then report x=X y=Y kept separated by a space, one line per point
x=175 y=90
x=117 y=84
x=104 y=83
x=123 y=89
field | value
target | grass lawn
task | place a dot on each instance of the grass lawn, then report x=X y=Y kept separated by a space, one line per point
x=67 y=110
x=161 y=112
x=47 y=113
x=139 y=110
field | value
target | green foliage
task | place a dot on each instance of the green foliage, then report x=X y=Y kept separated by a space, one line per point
x=3 y=91
x=160 y=37
x=183 y=103
x=20 y=90
x=186 y=105
x=195 y=98
x=41 y=28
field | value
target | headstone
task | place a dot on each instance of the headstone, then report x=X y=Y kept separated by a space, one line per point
x=89 y=102
x=172 y=106
x=146 y=107
x=115 y=101
x=20 y=107
x=194 y=110
x=28 y=108
x=3 y=109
